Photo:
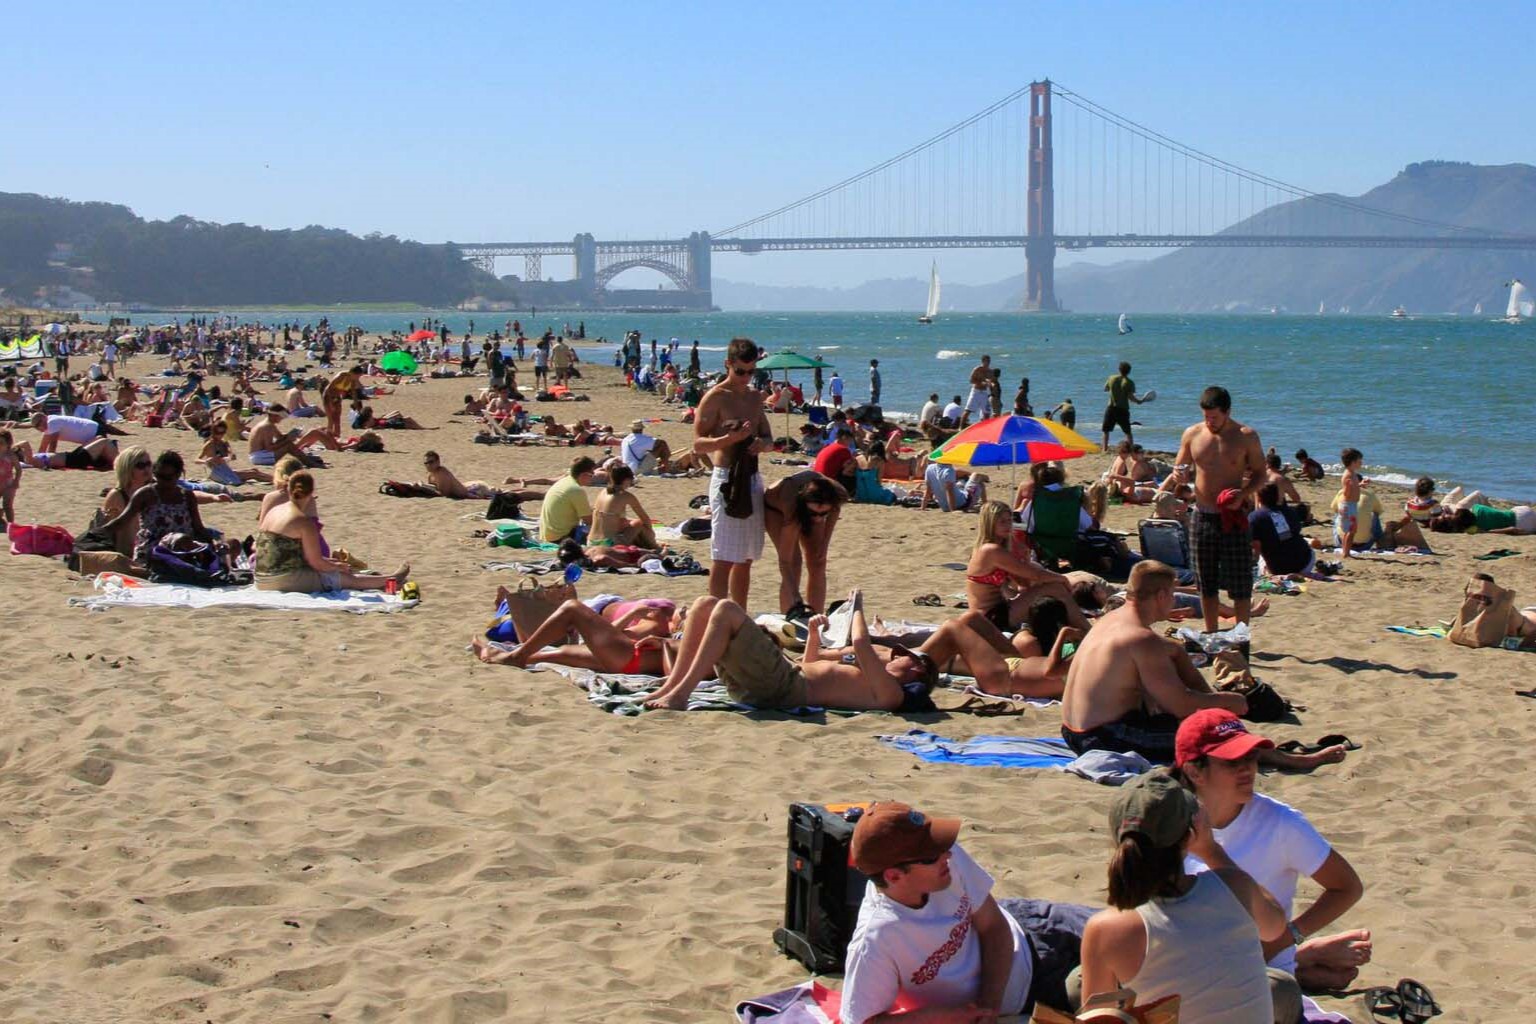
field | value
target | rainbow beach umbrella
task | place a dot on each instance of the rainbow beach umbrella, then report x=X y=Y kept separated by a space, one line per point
x=1012 y=441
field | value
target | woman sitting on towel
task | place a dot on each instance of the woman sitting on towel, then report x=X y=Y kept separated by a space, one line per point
x=868 y=468
x=1218 y=758
x=634 y=641
x=161 y=507
x=289 y=554
x=617 y=515
x=1001 y=585
x=799 y=513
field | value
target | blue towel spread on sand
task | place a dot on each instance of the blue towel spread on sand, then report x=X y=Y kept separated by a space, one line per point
x=984 y=751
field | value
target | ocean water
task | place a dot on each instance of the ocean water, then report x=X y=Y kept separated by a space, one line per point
x=1447 y=397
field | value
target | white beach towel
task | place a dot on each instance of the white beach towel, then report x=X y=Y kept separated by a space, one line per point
x=113 y=591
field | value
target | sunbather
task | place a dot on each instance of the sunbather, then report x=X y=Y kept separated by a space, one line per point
x=628 y=642
x=618 y=518
x=441 y=478
x=719 y=638
x=1033 y=664
x=1000 y=584
x=289 y=555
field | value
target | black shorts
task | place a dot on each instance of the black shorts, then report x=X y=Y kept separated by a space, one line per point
x=1117 y=416
x=998 y=616
x=1134 y=732
x=1223 y=558
x=79 y=458
x=1054 y=932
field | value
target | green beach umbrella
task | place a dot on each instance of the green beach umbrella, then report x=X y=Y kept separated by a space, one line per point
x=398 y=362
x=786 y=360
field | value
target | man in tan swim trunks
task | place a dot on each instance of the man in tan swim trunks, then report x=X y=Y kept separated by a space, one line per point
x=720 y=639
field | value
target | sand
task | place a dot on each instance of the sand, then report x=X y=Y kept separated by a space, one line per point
x=284 y=817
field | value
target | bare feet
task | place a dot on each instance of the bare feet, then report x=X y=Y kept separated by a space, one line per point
x=492 y=655
x=1260 y=606
x=667 y=702
x=401 y=573
x=1332 y=962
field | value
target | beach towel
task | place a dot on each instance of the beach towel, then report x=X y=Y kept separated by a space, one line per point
x=114 y=591
x=1013 y=698
x=1439 y=632
x=1495 y=554
x=983 y=751
x=814 y=1003
x=626 y=694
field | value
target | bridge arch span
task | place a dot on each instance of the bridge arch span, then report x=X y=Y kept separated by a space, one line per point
x=668 y=270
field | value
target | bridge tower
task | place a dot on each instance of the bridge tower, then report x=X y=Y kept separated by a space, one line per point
x=1040 y=249
x=585 y=247
x=699 y=269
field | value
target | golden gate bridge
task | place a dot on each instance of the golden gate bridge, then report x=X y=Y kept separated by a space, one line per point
x=992 y=181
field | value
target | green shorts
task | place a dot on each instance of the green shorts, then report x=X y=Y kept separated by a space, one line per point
x=755 y=671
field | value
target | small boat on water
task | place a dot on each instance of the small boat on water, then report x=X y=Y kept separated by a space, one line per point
x=933 y=296
x=1124 y=325
x=1477 y=310
x=1520 y=305
x=1321 y=310
x=1399 y=313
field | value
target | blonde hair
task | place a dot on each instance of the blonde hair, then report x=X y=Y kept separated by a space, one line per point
x=1096 y=500
x=1148 y=578
x=986 y=526
x=285 y=468
x=122 y=466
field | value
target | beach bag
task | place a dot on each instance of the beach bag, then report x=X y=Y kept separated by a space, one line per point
x=1483 y=620
x=531 y=604
x=1232 y=675
x=399 y=489
x=193 y=565
x=1117 y=1007
x=94 y=538
x=48 y=541
x=696 y=528
x=504 y=506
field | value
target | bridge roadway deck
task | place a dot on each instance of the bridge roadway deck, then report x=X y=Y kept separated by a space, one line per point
x=1068 y=242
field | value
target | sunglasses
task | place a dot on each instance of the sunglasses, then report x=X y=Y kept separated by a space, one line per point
x=926 y=861
x=744 y=371
x=146 y=464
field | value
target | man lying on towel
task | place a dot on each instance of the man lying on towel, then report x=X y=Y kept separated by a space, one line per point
x=720 y=639
x=1128 y=688
x=930 y=932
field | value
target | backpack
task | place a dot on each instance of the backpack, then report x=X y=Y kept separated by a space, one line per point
x=504 y=506
x=199 y=565
x=1483 y=620
x=1232 y=675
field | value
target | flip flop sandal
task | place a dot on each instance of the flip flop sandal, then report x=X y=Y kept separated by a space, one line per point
x=1525 y=693
x=800 y=612
x=1418 y=1005
x=1331 y=740
x=1384 y=1004
x=698 y=501
x=929 y=601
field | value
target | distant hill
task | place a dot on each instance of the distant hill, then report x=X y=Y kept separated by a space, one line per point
x=108 y=252
x=1499 y=198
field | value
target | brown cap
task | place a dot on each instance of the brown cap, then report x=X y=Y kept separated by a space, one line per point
x=890 y=834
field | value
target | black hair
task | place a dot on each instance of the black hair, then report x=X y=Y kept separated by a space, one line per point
x=819 y=491
x=1424 y=486
x=1272 y=460
x=170 y=465
x=1045 y=617
x=618 y=476
x=1269 y=495
x=1349 y=455
x=1125 y=367
x=1215 y=397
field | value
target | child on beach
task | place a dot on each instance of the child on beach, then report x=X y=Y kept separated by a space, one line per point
x=1347 y=501
x=1421 y=507
x=10 y=478
x=1310 y=468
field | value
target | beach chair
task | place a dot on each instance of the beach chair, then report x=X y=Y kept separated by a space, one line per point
x=1056 y=516
x=817 y=415
x=1165 y=540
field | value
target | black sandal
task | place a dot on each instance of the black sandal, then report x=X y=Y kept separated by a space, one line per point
x=1417 y=1005
x=1384 y=1004
x=1331 y=740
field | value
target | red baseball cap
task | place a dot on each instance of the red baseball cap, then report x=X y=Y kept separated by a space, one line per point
x=1214 y=732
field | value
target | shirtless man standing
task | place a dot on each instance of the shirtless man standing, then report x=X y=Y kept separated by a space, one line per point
x=731 y=428
x=980 y=398
x=720 y=639
x=1226 y=459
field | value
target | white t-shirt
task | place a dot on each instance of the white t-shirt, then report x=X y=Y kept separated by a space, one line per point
x=109 y=352
x=929 y=414
x=73 y=429
x=930 y=955
x=953 y=412
x=1277 y=845
x=635 y=448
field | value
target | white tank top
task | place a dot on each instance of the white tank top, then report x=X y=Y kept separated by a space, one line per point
x=1205 y=947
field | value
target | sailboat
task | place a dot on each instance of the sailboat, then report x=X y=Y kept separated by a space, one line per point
x=933 y=296
x=1519 y=303
x=1320 y=309
x=1124 y=325
x=1477 y=310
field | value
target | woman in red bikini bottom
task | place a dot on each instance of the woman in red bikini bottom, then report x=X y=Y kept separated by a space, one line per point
x=634 y=640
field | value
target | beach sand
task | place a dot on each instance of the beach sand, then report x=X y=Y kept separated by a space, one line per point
x=278 y=817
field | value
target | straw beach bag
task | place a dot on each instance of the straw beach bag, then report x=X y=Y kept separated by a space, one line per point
x=1483 y=620
x=1117 y=1007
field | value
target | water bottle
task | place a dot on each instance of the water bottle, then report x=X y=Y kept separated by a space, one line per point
x=572 y=573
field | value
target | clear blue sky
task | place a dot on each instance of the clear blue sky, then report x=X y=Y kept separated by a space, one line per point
x=534 y=121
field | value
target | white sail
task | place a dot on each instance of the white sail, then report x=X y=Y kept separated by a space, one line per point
x=1517 y=296
x=1320 y=309
x=1123 y=326
x=933 y=292
x=1477 y=310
